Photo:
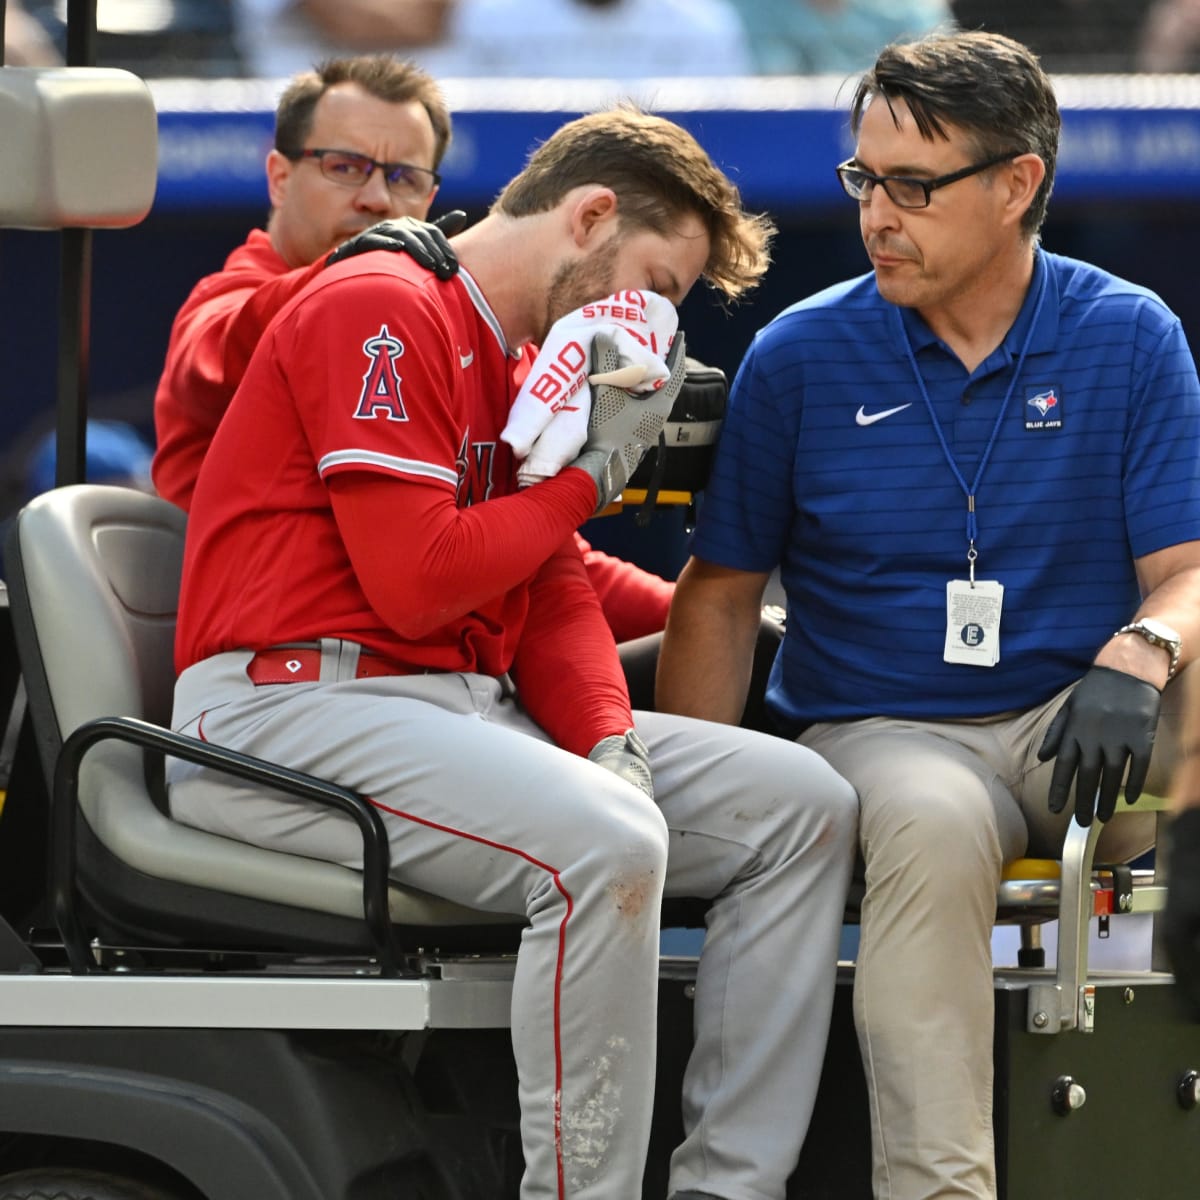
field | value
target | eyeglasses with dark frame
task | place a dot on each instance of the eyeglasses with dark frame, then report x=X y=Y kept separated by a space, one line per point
x=907 y=191
x=353 y=170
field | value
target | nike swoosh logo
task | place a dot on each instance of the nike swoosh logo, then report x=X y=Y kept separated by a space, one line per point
x=466 y=359
x=863 y=418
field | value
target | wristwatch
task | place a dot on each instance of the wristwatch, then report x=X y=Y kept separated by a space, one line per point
x=1157 y=634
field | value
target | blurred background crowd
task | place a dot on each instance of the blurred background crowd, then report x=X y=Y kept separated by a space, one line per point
x=600 y=38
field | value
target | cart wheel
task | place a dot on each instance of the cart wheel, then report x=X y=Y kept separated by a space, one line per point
x=52 y=1184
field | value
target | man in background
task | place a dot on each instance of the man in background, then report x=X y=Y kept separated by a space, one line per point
x=357 y=142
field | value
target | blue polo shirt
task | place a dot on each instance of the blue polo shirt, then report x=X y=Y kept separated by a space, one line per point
x=830 y=467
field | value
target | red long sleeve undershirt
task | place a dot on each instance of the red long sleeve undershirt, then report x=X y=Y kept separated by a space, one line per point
x=442 y=562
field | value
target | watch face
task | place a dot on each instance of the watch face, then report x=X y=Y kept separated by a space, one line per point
x=1164 y=632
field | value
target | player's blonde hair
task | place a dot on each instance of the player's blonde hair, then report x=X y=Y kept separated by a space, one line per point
x=659 y=173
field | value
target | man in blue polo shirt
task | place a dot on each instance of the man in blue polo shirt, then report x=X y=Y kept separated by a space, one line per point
x=978 y=471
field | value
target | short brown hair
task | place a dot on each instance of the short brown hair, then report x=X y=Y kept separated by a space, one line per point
x=659 y=173
x=987 y=84
x=379 y=75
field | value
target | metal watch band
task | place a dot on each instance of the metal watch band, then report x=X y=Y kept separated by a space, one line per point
x=1172 y=646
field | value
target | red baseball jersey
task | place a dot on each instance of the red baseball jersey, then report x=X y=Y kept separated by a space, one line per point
x=212 y=340
x=377 y=372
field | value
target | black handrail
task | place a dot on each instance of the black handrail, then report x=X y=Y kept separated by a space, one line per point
x=376 y=852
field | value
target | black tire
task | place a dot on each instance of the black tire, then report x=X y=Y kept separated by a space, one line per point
x=51 y=1184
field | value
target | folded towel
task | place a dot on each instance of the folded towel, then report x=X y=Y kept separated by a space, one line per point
x=547 y=424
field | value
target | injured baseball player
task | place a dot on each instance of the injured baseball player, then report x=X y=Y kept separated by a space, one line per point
x=369 y=595
x=329 y=200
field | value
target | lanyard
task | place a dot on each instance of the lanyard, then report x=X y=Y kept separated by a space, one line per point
x=969 y=492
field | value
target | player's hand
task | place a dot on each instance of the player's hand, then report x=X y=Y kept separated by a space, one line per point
x=1181 y=920
x=623 y=425
x=625 y=755
x=423 y=241
x=1107 y=722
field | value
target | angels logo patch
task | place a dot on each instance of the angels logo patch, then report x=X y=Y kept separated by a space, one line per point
x=380 y=396
x=1043 y=408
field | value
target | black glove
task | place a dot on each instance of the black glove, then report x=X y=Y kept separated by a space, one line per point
x=424 y=241
x=1107 y=721
x=1181 y=921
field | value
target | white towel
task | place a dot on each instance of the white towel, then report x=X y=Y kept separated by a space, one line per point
x=547 y=424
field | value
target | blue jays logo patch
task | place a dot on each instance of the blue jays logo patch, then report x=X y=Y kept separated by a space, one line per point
x=380 y=394
x=1043 y=408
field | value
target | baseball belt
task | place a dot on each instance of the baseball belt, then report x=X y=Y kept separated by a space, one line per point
x=288 y=664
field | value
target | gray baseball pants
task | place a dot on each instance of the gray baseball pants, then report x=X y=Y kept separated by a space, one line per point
x=482 y=809
x=943 y=806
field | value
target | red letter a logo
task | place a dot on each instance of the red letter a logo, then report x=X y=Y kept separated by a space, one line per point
x=381 y=383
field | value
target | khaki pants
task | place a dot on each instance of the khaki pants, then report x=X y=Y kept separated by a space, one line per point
x=943 y=806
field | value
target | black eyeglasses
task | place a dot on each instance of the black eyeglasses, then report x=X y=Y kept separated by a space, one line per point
x=353 y=170
x=905 y=190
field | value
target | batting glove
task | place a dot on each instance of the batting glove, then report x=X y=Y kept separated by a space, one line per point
x=423 y=241
x=1107 y=722
x=626 y=756
x=623 y=425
